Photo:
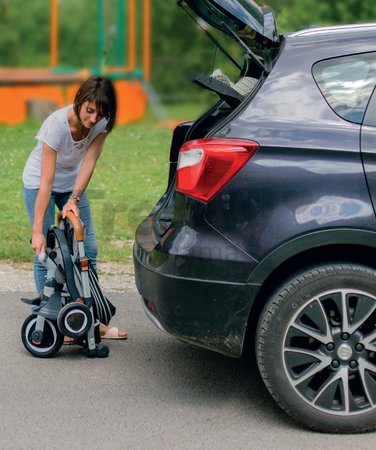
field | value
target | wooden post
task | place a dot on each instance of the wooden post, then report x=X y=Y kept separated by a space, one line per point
x=54 y=21
x=147 y=39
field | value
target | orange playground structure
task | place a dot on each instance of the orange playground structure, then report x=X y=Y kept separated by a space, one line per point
x=19 y=87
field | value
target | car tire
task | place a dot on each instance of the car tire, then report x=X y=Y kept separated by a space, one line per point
x=316 y=349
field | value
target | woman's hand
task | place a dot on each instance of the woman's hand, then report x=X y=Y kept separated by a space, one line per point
x=71 y=205
x=38 y=242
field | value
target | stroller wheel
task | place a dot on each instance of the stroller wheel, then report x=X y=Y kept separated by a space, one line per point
x=74 y=320
x=51 y=339
x=100 y=351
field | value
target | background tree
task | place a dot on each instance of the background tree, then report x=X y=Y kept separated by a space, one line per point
x=296 y=14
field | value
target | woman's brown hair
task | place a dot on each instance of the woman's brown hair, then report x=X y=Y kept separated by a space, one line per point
x=100 y=90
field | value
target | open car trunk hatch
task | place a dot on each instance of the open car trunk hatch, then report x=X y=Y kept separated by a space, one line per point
x=242 y=17
x=254 y=29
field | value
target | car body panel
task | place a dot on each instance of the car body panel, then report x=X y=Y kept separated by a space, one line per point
x=333 y=238
x=316 y=190
x=194 y=251
x=211 y=314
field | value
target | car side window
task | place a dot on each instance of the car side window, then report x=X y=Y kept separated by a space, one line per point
x=347 y=83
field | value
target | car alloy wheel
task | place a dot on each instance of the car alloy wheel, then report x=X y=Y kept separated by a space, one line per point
x=317 y=347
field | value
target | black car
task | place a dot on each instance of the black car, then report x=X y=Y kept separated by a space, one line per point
x=267 y=228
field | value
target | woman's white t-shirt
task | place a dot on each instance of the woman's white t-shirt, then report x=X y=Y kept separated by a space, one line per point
x=55 y=132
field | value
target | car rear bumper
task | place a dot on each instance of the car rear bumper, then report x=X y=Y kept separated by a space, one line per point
x=209 y=313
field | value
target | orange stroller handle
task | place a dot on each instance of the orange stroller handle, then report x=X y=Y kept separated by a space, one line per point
x=76 y=224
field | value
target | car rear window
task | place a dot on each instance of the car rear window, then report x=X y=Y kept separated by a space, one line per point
x=347 y=83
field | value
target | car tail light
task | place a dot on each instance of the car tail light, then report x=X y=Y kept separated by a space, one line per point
x=205 y=166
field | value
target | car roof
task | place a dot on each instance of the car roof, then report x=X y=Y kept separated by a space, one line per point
x=333 y=33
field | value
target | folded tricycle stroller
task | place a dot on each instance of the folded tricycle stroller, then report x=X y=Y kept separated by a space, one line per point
x=71 y=303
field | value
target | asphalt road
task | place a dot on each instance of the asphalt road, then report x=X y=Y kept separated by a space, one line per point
x=153 y=392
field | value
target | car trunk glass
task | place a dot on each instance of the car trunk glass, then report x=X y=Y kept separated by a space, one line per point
x=242 y=17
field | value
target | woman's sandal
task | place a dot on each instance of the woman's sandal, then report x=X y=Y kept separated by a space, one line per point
x=110 y=332
x=69 y=341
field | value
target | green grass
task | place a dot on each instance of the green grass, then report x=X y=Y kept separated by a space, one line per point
x=130 y=177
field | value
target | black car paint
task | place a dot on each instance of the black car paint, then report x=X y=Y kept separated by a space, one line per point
x=304 y=189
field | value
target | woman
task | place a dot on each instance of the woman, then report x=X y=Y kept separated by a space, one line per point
x=59 y=169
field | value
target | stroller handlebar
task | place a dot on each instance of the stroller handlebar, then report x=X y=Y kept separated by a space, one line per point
x=75 y=223
x=42 y=257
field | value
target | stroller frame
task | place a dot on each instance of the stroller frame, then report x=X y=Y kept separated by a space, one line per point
x=65 y=307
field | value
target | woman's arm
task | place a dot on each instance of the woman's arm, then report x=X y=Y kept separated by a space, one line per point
x=48 y=167
x=86 y=171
